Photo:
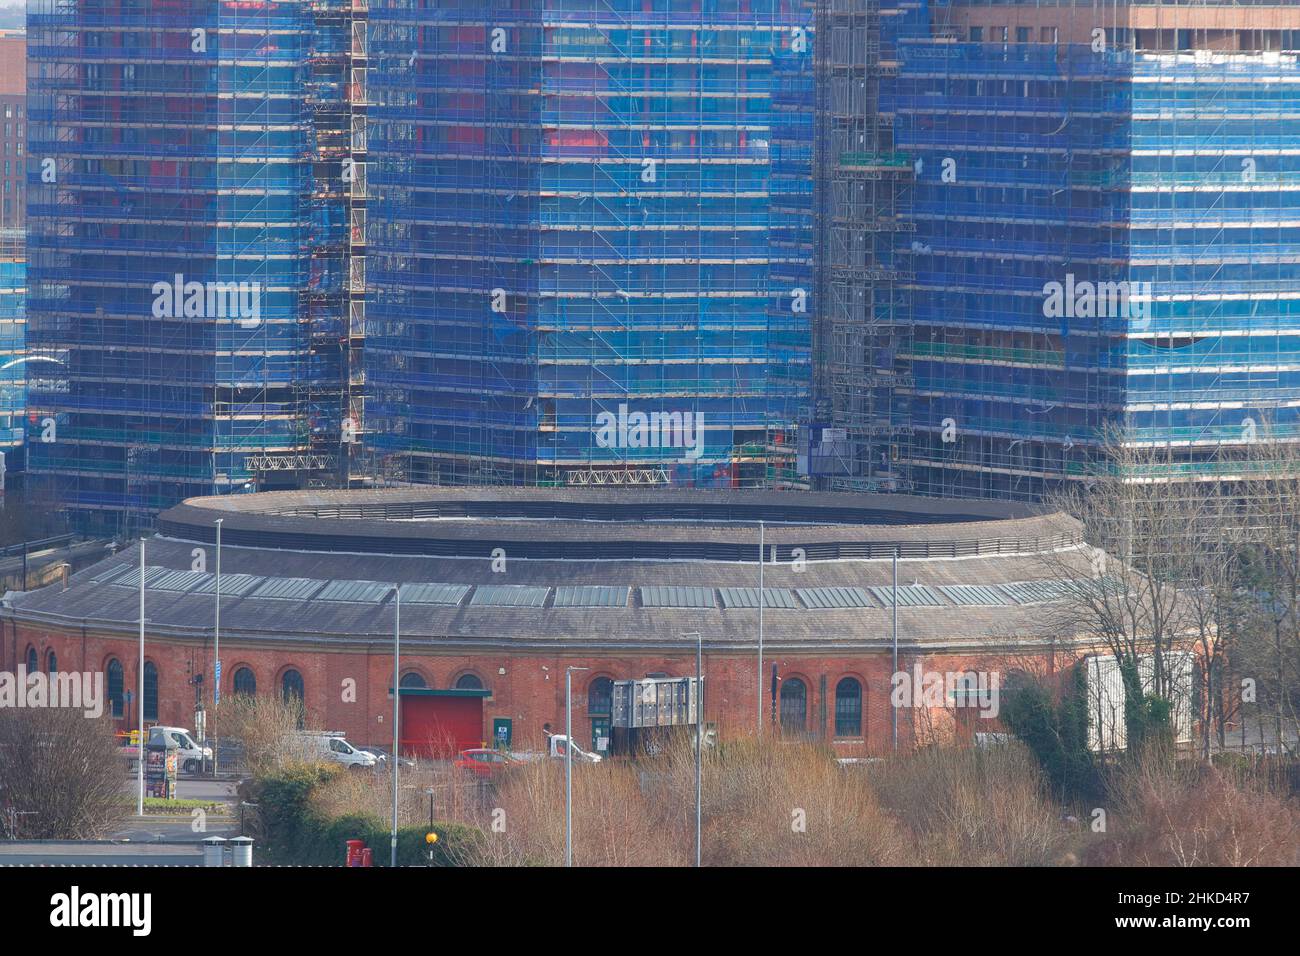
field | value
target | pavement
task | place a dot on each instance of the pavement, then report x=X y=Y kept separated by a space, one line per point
x=151 y=840
x=97 y=854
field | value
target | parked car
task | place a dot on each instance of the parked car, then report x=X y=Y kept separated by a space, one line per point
x=331 y=745
x=557 y=745
x=382 y=757
x=484 y=762
x=190 y=756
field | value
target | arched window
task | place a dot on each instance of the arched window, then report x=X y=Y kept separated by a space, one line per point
x=291 y=686
x=468 y=682
x=245 y=682
x=115 y=697
x=51 y=662
x=150 y=691
x=848 y=708
x=294 y=695
x=600 y=697
x=33 y=661
x=794 y=705
x=412 y=679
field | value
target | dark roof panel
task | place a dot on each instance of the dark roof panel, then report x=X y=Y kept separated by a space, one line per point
x=508 y=595
x=677 y=597
x=591 y=596
x=748 y=597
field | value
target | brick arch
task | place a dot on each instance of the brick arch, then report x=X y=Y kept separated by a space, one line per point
x=598 y=676
x=469 y=672
x=419 y=671
x=781 y=706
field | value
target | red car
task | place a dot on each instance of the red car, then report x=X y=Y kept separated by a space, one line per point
x=483 y=762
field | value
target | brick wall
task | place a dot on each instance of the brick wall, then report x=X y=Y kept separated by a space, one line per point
x=528 y=688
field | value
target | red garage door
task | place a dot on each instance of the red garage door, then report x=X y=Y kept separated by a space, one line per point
x=441 y=723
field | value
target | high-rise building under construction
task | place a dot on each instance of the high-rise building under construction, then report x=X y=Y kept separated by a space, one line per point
x=192 y=216
x=578 y=234
x=591 y=240
x=928 y=245
x=1071 y=220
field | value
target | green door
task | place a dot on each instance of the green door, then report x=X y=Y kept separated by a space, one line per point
x=600 y=727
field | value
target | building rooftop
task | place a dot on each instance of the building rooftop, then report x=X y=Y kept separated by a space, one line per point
x=306 y=577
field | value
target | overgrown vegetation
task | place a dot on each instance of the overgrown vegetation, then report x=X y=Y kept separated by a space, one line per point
x=790 y=803
x=293 y=830
x=60 y=774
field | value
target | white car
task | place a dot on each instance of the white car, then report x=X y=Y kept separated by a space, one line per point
x=557 y=746
x=333 y=746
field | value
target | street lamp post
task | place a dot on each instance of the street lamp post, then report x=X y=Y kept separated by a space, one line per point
x=568 y=763
x=397 y=646
x=216 y=652
x=761 y=602
x=139 y=705
x=699 y=741
x=893 y=597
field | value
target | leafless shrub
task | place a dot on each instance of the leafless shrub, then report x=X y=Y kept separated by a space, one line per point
x=61 y=772
x=267 y=728
x=771 y=804
x=1172 y=813
x=974 y=806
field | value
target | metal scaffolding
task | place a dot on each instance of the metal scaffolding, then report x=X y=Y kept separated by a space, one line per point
x=183 y=247
x=1072 y=215
x=591 y=238
x=864 y=327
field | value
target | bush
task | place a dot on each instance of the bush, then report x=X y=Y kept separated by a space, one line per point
x=1170 y=812
x=975 y=807
x=61 y=772
x=1056 y=733
x=294 y=832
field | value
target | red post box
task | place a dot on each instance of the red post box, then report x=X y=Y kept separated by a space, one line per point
x=367 y=857
x=354 y=852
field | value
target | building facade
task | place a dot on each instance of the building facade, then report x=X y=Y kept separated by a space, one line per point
x=13 y=372
x=503 y=589
x=1091 y=231
x=188 y=248
x=590 y=240
x=13 y=141
x=13 y=258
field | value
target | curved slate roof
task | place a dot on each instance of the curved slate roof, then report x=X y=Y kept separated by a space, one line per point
x=970 y=573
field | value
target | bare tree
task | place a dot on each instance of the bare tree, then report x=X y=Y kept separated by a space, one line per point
x=266 y=728
x=1148 y=540
x=61 y=776
x=1269 y=546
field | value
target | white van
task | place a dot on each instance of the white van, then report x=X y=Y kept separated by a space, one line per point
x=331 y=745
x=190 y=756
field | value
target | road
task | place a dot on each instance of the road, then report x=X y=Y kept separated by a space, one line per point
x=151 y=840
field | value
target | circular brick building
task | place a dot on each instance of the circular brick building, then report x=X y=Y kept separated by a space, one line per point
x=502 y=589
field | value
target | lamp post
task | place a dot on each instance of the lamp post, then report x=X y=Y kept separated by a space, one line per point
x=893 y=597
x=761 y=602
x=216 y=651
x=568 y=763
x=139 y=706
x=699 y=740
x=397 y=651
